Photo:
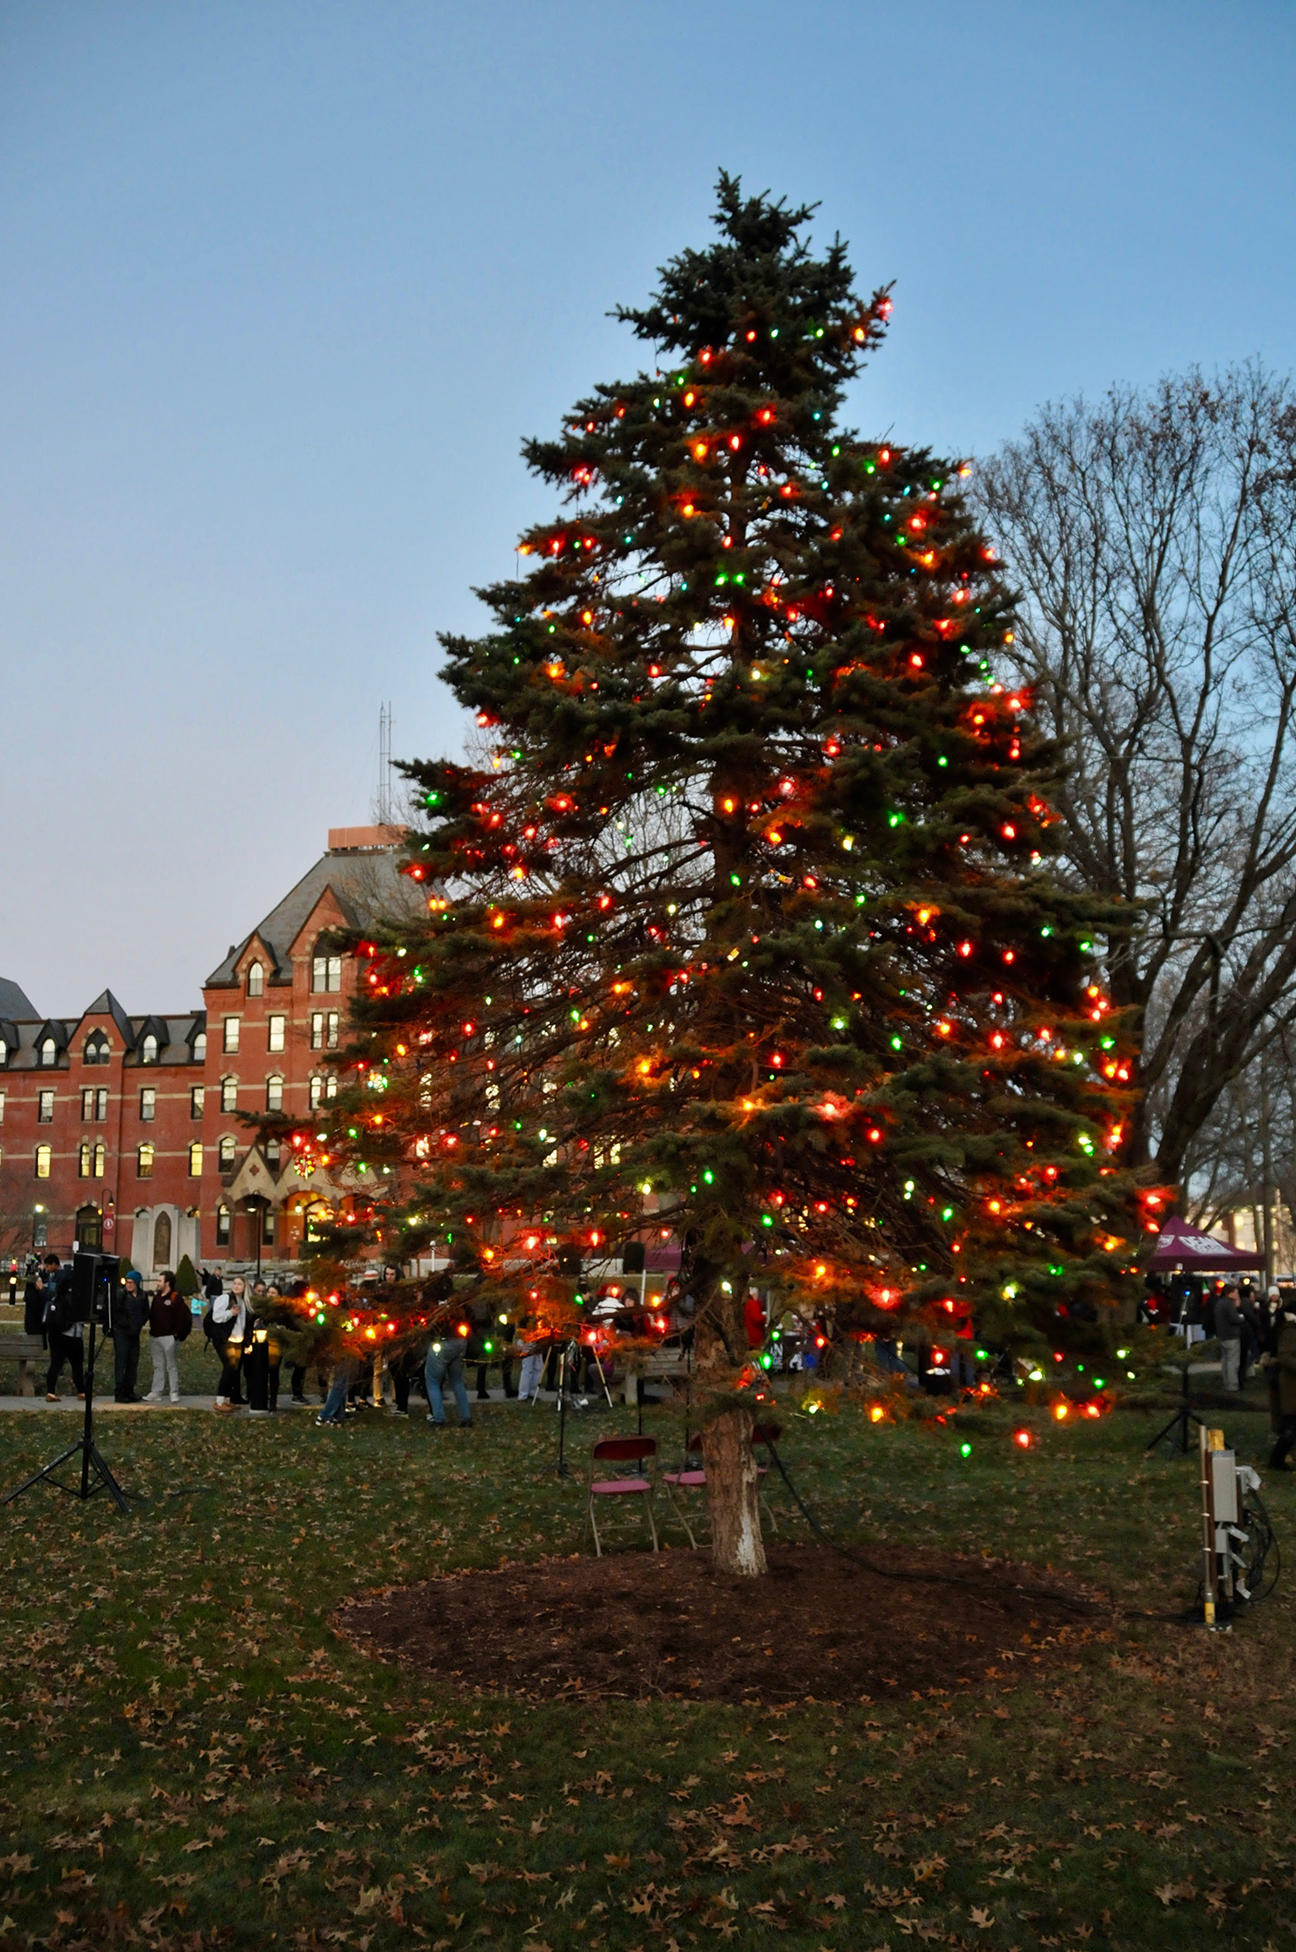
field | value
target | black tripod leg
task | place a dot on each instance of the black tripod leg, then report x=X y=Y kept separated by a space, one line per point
x=109 y=1482
x=44 y=1472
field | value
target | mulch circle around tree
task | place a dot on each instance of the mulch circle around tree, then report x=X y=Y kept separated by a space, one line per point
x=667 y=1625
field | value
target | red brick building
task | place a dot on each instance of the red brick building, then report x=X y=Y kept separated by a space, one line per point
x=122 y=1131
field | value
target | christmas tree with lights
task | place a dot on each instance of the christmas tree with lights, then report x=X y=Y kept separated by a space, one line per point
x=741 y=926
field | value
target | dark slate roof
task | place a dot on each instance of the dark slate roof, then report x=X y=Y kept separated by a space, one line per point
x=175 y=1036
x=366 y=886
x=14 y=1003
x=107 y=1005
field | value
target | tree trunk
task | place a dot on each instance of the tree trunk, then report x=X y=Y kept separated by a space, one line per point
x=736 y=1542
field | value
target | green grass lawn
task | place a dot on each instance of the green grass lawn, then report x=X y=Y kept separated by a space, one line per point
x=192 y=1759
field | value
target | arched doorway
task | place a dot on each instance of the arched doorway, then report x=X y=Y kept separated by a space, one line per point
x=162 y=1241
x=89 y=1229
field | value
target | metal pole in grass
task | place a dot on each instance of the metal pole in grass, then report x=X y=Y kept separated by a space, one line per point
x=561 y=1467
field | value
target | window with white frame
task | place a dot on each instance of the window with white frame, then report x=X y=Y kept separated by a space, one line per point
x=276 y=1027
x=225 y=1153
x=331 y=1031
x=229 y=1094
x=200 y=1047
x=316 y=1094
x=196 y=1159
x=326 y=973
x=231 y=1027
x=48 y=1052
x=255 y=979
x=274 y=1094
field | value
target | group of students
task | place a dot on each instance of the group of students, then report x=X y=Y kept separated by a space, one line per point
x=49 y=1311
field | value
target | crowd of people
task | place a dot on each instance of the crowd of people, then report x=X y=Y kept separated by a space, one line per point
x=254 y=1327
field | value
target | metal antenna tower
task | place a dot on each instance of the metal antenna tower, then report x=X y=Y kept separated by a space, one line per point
x=384 y=765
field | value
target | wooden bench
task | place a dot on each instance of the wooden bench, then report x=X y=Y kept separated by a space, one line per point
x=15 y=1346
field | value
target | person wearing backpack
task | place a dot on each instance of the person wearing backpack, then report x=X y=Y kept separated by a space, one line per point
x=169 y=1323
x=62 y=1330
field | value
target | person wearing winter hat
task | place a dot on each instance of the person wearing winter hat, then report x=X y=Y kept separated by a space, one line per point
x=129 y=1320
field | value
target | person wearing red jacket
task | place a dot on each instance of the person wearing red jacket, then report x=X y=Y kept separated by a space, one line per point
x=754 y=1321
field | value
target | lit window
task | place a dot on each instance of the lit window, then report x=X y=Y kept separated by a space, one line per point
x=277 y=1028
x=231 y=1033
x=256 y=979
x=144 y=1161
x=48 y=1051
x=225 y=1154
x=274 y=1094
x=149 y=1050
x=44 y=1153
x=317 y=1030
x=332 y=1037
x=45 y=1107
x=83 y=1159
x=96 y=1049
x=2 y=1098
x=222 y=1226
x=326 y=973
x=195 y=1101
x=100 y=1158
x=196 y=1159
x=330 y=1085
x=229 y=1094
x=316 y=1092
x=200 y=1047
x=148 y=1104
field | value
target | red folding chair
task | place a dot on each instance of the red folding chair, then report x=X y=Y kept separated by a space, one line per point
x=692 y=1477
x=688 y=1478
x=638 y=1483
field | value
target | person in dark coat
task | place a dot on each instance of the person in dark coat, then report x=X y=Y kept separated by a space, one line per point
x=129 y=1321
x=34 y=1297
x=1284 y=1362
x=62 y=1330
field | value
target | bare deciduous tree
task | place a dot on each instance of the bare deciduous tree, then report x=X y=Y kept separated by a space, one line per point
x=1153 y=538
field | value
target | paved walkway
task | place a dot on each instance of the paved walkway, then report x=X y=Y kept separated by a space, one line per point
x=66 y=1404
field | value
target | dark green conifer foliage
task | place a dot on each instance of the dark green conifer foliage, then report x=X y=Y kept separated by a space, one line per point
x=747 y=899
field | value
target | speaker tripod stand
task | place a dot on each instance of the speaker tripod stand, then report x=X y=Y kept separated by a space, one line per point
x=95 y=1475
x=1179 y=1424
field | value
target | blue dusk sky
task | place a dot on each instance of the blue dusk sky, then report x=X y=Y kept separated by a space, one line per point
x=283 y=284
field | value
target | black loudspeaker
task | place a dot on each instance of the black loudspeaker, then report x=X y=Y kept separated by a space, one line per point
x=94 y=1288
x=569 y=1263
x=632 y=1257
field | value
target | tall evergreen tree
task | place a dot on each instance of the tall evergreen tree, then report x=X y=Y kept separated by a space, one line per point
x=745 y=905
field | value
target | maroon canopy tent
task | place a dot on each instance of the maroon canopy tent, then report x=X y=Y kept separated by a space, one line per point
x=1188 y=1247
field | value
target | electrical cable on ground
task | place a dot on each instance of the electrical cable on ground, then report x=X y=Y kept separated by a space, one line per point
x=929 y=1578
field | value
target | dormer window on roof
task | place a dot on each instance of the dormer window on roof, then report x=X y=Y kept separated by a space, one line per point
x=255 y=979
x=96 y=1049
x=200 y=1047
x=149 y=1050
x=47 y=1051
